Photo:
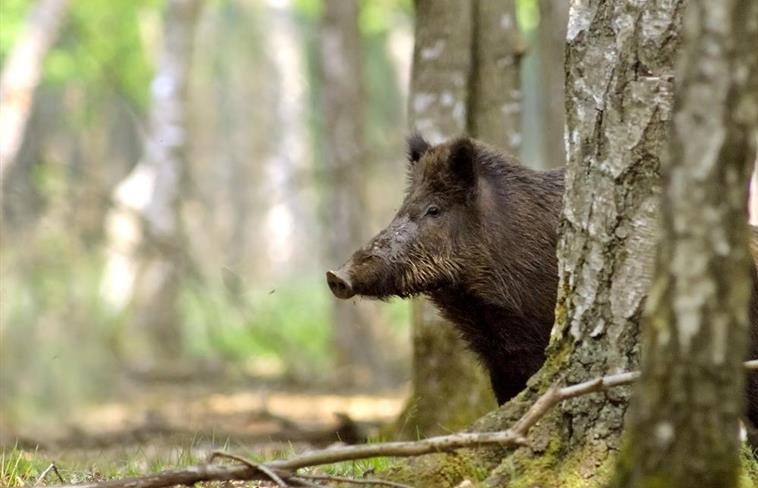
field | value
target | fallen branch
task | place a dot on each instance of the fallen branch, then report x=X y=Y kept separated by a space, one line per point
x=46 y=472
x=256 y=466
x=355 y=481
x=286 y=469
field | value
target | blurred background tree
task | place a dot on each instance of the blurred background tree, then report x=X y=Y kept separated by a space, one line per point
x=259 y=191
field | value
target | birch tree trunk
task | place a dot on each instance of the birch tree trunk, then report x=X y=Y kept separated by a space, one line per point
x=442 y=366
x=145 y=230
x=21 y=75
x=345 y=193
x=684 y=427
x=619 y=74
x=551 y=47
x=494 y=112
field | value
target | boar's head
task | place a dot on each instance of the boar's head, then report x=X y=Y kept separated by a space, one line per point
x=422 y=249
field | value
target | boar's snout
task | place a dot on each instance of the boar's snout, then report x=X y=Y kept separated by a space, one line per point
x=339 y=283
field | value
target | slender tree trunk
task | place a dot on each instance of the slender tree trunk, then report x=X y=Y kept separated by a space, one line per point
x=288 y=216
x=494 y=112
x=465 y=80
x=345 y=194
x=21 y=75
x=438 y=109
x=551 y=47
x=684 y=428
x=618 y=101
x=145 y=230
x=753 y=207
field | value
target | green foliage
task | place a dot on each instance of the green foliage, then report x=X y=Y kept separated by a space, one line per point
x=102 y=45
x=748 y=474
x=57 y=338
x=311 y=9
x=287 y=326
x=284 y=330
x=527 y=14
x=12 y=17
x=19 y=468
x=376 y=16
x=379 y=16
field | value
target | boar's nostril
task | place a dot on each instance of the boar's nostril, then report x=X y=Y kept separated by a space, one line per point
x=339 y=284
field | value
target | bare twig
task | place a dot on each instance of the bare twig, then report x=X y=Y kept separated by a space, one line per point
x=286 y=468
x=252 y=464
x=46 y=472
x=304 y=482
x=555 y=395
x=442 y=443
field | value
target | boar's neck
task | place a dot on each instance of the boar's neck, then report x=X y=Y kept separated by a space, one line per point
x=510 y=345
x=504 y=303
x=516 y=265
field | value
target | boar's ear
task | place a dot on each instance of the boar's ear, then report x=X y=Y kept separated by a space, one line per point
x=417 y=146
x=463 y=160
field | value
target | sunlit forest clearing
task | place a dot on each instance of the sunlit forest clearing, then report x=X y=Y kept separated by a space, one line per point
x=432 y=243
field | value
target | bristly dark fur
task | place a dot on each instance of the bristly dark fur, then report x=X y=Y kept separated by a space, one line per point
x=477 y=232
x=488 y=261
x=417 y=146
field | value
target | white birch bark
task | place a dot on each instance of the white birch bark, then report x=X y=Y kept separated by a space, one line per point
x=21 y=75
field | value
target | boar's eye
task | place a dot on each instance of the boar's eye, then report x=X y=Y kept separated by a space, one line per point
x=432 y=211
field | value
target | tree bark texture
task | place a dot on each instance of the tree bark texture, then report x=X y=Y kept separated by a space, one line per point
x=345 y=161
x=145 y=230
x=684 y=427
x=619 y=75
x=21 y=75
x=465 y=79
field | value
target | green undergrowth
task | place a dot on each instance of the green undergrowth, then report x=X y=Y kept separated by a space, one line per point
x=748 y=477
x=62 y=346
x=23 y=467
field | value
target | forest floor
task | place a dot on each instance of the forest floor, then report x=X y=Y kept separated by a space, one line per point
x=160 y=425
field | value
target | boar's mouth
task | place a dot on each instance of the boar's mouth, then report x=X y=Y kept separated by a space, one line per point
x=352 y=280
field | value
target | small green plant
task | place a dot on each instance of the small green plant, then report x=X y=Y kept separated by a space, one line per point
x=19 y=468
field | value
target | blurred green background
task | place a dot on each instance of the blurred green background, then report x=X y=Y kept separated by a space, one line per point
x=251 y=301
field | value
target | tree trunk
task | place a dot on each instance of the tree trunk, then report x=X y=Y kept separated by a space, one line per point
x=683 y=430
x=288 y=217
x=753 y=206
x=442 y=366
x=494 y=112
x=551 y=47
x=464 y=80
x=145 y=230
x=21 y=75
x=618 y=101
x=345 y=192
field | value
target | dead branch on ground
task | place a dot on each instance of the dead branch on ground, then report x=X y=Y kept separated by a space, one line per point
x=285 y=470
